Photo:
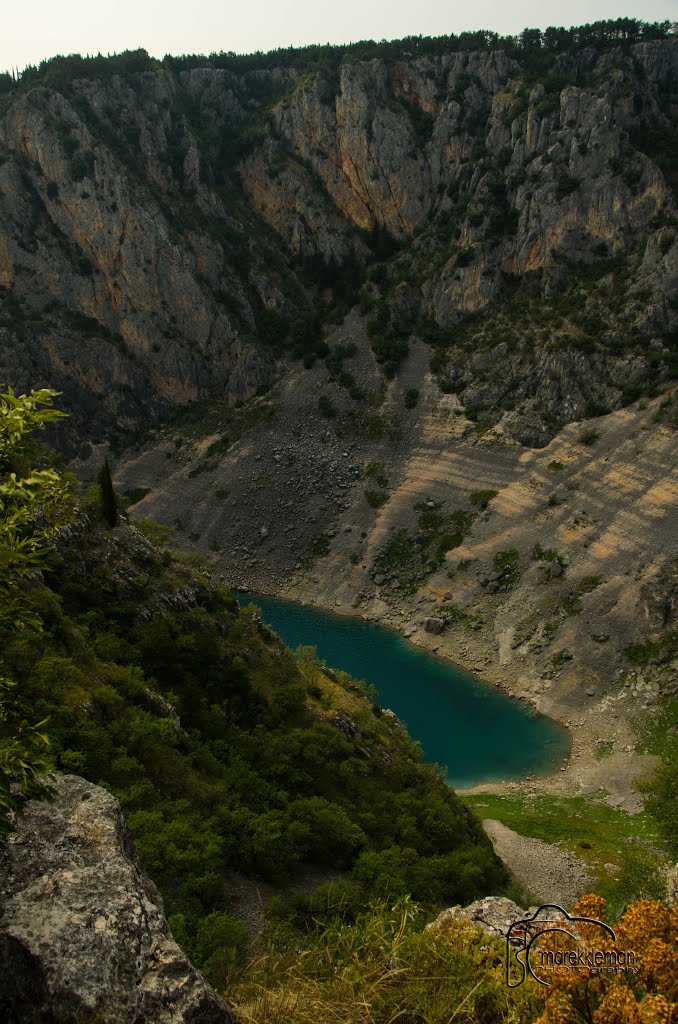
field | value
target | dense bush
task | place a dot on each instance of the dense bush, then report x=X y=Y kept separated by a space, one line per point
x=247 y=776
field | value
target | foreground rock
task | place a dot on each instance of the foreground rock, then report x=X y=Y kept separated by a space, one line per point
x=83 y=934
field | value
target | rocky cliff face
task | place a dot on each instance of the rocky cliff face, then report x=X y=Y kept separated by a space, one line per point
x=520 y=173
x=151 y=226
x=126 y=282
x=490 y=182
x=83 y=935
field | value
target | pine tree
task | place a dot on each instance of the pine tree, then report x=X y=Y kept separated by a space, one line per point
x=109 y=504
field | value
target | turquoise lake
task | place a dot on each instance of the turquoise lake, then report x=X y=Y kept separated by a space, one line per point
x=477 y=732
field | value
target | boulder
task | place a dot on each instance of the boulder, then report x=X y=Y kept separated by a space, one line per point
x=494 y=914
x=83 y=933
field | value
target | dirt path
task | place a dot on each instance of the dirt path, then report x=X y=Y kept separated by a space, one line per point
x=550 y=874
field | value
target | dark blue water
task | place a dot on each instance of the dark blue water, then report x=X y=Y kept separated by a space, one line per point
x=478 y=733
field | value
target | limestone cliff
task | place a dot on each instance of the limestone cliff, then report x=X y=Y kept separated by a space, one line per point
x=155 y=225
x=83 y=935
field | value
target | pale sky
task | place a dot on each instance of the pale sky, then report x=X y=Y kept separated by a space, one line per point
x=31 y=31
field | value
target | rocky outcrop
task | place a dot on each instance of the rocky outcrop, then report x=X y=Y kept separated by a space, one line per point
x=493 y=914
x=83 y=935
x=127 y=283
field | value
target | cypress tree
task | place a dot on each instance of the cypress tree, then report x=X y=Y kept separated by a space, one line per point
x=109 y=504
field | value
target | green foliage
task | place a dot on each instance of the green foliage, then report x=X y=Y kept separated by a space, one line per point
x=540 y=554
x=109 y=505
x=326 y=408
x=566 y=185
x=640 y=654
x=377 y=472
x=390 y=351
x=320 y=546
x=483 y=498
x=660 y=795
x=33 y=509
x=571 y=603
x=411 y=398
x=537 y=52
x=207 y=466
x=457 y=614
x=412 y=557
x=221 y=445
x=377 y=964
x=588 y=583
x=375 y=426
x=507 y=564
x=375 y=499
x=135 y=494
x=589 y=437
x=247 y=777
x=591 y=830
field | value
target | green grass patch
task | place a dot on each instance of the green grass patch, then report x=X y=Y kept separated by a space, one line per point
x=641 y=654
x=374 y=426
x=319 y=547
x=591 y=830
x=157 y=533
x=458 y=614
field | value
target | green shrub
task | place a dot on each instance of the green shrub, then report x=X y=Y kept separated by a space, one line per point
x=506 y=562
x=589 y=437
x=135 y=494
x=375 y=499
x=202 y=467
x=483 y=498
x=326 y=407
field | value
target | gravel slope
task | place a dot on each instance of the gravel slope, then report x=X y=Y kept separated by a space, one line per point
x=550 y=874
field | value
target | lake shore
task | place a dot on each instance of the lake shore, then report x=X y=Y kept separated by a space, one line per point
x=461 y=721
x=589 y=769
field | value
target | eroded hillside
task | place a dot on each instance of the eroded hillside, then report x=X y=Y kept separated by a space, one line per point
x=537 y=568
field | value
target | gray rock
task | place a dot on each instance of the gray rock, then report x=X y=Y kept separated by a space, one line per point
x=433 y=624
x=83 y=933
x=494 y=914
